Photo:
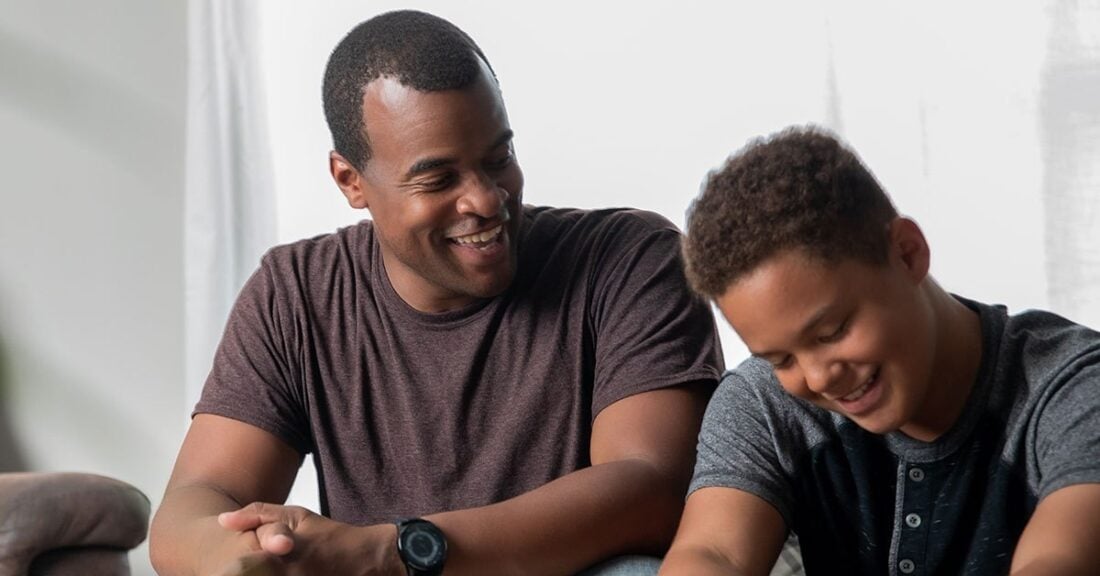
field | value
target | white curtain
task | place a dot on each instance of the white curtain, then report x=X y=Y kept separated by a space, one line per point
x=229 y=200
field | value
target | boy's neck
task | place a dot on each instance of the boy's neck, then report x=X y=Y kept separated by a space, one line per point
x=957 y=358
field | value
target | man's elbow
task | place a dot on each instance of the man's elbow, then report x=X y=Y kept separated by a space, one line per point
x=160 y=549
x=663 y=505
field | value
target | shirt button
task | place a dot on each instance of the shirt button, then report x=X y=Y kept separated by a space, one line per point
x=912 y=520
x=916 y=474
x=907 y=566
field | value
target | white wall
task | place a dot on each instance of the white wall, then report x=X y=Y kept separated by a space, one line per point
x=92 y=99
x=631 y=103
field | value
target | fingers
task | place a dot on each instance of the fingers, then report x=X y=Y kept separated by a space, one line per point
x=255 y=515
x=273 y=524
x=276 y=538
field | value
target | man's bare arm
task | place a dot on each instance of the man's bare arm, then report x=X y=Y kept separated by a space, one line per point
x=1063 y=535
x=726 y=531
x=629 y=500
x=223 y=465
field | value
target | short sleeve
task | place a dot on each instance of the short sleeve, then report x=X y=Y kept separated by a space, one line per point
x=1067 y=434
x=253 y=376
x=651 y=330
x=738 y=444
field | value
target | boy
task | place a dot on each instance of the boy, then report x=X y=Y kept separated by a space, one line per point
x=892 y=426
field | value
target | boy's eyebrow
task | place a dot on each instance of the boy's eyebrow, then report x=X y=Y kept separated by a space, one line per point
x=807 y=326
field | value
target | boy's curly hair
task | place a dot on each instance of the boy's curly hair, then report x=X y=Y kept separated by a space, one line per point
x=797 y=189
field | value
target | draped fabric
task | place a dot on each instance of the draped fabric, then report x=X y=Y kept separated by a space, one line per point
x=229 y=203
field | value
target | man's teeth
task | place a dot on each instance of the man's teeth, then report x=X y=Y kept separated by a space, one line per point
x=859 y=392
x=480 y=236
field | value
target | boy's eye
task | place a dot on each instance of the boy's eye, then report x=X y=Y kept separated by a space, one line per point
x=781 y=363
x=835 y=334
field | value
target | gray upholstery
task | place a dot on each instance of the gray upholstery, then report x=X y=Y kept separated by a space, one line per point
x=60 y=524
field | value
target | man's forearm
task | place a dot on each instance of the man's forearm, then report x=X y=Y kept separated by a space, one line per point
x=560 y=528
x=185 y=537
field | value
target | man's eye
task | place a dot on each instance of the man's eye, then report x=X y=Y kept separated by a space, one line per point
x=436 y=184
x=501 y=163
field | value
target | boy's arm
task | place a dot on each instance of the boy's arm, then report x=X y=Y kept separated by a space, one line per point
x=1063 y=535
x=726 y=531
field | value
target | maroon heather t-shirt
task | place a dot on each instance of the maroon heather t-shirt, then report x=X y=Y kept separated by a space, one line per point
x=409 y=413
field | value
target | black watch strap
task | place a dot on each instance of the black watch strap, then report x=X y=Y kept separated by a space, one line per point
x=421 y=546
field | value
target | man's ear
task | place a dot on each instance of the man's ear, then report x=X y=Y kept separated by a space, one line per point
x=349 y=179
x=909 y=247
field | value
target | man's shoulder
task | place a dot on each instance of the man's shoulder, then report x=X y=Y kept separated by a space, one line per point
x=321 y=250
x=562 y=218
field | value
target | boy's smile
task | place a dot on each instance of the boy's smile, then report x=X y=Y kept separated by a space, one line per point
x=850 y=337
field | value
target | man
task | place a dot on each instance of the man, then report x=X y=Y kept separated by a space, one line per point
x=894 y=427
x=485 y=386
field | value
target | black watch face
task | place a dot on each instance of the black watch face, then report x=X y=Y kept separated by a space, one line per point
x=423 y=546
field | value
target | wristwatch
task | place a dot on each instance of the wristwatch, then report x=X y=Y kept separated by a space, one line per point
x=421 y=546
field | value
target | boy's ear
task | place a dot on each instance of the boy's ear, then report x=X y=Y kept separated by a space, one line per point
x=349 y=179
x=909 y=247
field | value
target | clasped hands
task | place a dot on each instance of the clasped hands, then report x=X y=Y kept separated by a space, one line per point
x=293 y=541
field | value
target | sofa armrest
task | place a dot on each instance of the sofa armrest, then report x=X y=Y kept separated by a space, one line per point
x=81 y=561
x=44 y=511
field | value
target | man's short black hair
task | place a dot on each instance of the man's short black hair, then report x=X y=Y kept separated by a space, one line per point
x=421 y=51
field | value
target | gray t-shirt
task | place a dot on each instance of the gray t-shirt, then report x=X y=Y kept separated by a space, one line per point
x=409 y=413
x=863 y=503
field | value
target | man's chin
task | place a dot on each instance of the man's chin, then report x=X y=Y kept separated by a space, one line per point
x=491 y=288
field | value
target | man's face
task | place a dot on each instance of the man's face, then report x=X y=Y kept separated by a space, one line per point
x=852 y=338
x=443 y=189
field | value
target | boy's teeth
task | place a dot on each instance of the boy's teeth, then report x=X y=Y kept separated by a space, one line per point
x=858 y=393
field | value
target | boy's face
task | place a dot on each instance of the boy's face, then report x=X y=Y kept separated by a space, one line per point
x=850 y=337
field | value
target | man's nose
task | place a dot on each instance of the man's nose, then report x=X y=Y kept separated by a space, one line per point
x=482 y=196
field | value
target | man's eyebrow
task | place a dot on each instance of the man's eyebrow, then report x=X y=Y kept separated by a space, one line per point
x=428 y=164
x=807 y=326
x=503 y=139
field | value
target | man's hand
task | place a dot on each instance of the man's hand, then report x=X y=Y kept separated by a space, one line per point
x=294 y=540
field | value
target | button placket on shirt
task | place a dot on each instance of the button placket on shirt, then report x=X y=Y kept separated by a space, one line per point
x=915 y=506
